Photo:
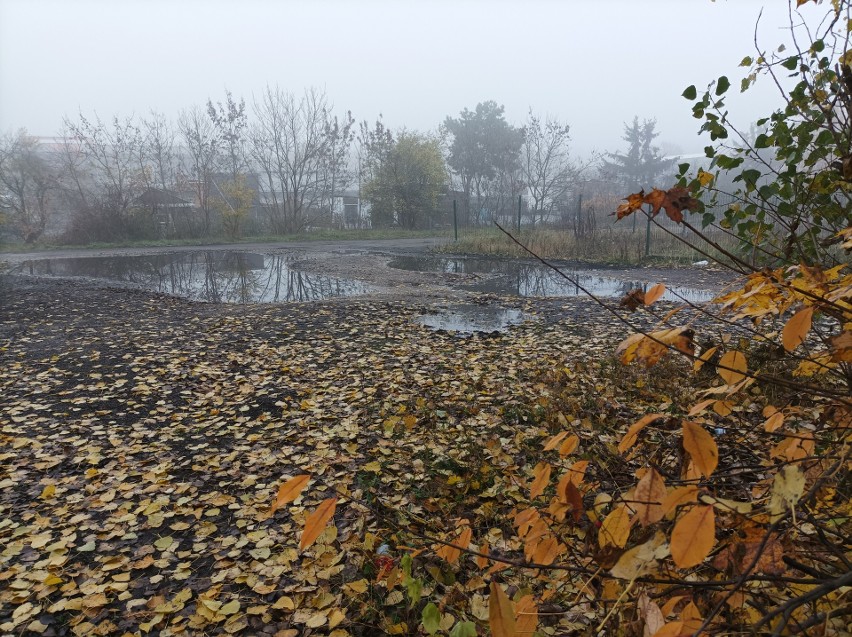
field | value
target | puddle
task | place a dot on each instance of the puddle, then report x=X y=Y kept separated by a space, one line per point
x=516 y=278
x=215 y=276
x=469 y=318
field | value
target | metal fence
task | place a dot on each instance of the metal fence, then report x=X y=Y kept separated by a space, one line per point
x=588 y=229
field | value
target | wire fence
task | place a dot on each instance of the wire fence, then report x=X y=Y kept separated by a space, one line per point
x=589 y=230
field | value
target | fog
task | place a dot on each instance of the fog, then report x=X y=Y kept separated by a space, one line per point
x=593 y=65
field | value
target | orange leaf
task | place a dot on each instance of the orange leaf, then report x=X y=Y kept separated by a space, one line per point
x=569 y=446
x=672 y=629
x=654 y=293
x=316 y=521
x=773 y=422
x=634 y=203
x=542 y=478
x=680 y=496
x=633 y=432
x=734 y=364
x=577 y=471
x=649 y=496
x=797 y=328
x=450 y=553
x=615 y=529
x=501 y=618
x=555 y=440
x=693 y=536
x=526 y=615
x=701 y=447
x=547 y=550
x=290 y=490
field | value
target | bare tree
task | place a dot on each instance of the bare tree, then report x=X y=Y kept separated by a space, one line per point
x=202 y=153
x=110 y=152
x=547 y=167
x=231 y=124
x=26 y=183
x=158 y=151
x=301 y=151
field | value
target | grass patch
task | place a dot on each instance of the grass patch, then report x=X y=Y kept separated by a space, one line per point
x=608 y=246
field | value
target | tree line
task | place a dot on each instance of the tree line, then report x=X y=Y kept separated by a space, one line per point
x=284 y=163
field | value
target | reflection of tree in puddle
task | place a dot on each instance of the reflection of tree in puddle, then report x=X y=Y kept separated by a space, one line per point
x=213 y=276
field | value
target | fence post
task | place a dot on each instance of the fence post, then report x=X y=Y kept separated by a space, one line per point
x=455 y=221
x=648 y=235
x=519 y=213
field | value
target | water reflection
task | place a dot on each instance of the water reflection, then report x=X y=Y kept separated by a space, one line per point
x=533 y=279
x=468 y=318
x=216 y=276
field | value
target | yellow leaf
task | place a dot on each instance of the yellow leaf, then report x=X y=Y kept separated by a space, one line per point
x=48 y=492
x=797 y=328
x=701 y=447
x=374 y=466
x=501 y=618
x=290 y=490
x=787 y=488
x=732 y=367
x=704 y=178
x=356 y=588
x=648 y=498
x=633 y=432
x=654 y=293
x=316 y=521
x=642 y=559
x=693 y=536
x=615 y=528
x=230 y=608
x=542 y=478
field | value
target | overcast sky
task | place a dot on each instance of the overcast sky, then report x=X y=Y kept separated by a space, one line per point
x=594 y=63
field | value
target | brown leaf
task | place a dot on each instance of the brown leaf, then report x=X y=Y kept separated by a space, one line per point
x=570 y=494
x=633 y=299
x=648 y=498
x=316 y=521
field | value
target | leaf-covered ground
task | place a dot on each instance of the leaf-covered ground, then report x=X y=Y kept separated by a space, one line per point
x=144 y=438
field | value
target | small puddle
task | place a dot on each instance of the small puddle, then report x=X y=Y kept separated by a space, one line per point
x=217 y=276
x=468 y=318
x=516 y=278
